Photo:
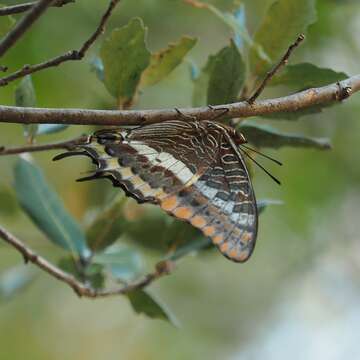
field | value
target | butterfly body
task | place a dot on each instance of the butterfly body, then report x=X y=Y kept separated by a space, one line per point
x=191 y=169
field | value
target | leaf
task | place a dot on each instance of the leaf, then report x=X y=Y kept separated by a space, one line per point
x=25 y=93
x=45 y=208
x=201 y=83
x=264 y=203
x=6 y=23
x=97 y=67
x=51 y=128
x=305 y=75
x=235 y=22
x=15 y=280
x=25 y=97
x=91 y=273
x=108 y=226
x=221 y=79
x=227 y=76
x=266 y=136
x=124 y=263
x=125 y=57
x=192 y=247
x=240 y=17
x=194 y=70
x=165 y=61
x=282 y=24
x=144 y=303
x=148 y=230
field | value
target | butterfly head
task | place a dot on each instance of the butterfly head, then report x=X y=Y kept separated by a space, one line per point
x=236 y=136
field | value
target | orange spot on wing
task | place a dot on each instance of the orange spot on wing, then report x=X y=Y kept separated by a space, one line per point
x=233 y=254
x=183 y=212
x=169 y=203
x=209 y=230
x=217 y=239
x=224 y=247
x=198 y=221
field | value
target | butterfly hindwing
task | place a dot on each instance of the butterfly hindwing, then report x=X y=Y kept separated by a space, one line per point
x=222 y=205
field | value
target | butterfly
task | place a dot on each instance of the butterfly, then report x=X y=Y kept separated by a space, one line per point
x=194 y=170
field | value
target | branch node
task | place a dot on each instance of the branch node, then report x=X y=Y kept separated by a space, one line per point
x=343 y=92
x=164 y=267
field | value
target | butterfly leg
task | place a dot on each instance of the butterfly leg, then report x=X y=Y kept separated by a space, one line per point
x=222 y=111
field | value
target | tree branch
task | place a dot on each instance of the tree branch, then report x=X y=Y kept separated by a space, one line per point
x=269 y=75
x=162 y=268
x=70 y=55
x=68 y=145
x=20 y=8
x=23 y=25
x=304 y=99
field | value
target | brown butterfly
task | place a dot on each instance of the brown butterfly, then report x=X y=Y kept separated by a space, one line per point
x=193 y=170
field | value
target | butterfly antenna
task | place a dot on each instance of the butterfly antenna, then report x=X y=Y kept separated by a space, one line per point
x=262 y=154
x=261 y=167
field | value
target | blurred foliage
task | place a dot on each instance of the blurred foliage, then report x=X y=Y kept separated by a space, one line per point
x=220 y=305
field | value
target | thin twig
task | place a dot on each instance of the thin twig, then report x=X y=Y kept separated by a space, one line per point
x=23 y=25
x=68 y=145
x=162 y=268
x=20 y=8
x=291 y=103
x=70 y=55
x=284 y=60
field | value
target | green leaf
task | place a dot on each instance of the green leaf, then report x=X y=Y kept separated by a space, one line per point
x=305 y=75
x=282 y=24
x=236 y=23
x=227 y=76
x=25 y=96
x=264 y=203
x=91 y=273
x=148 y=230
x=221 y=79
x=25 y=93
x=6 y=23
x=266 y=136
x=165 y=61
x=201 y=83
x=144 y=303
x=123 y=263
x=125 y=57
x=191 y=247
x=97 y=67
x=51 y=128
x=46 y=209
x=107 y=226
x=15 y=280
x=240 y=17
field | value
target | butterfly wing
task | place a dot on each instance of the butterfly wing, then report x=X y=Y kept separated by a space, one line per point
x=222 y=205
x=190 y=170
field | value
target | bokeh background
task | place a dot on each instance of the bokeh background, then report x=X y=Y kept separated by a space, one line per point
x=297 y=296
